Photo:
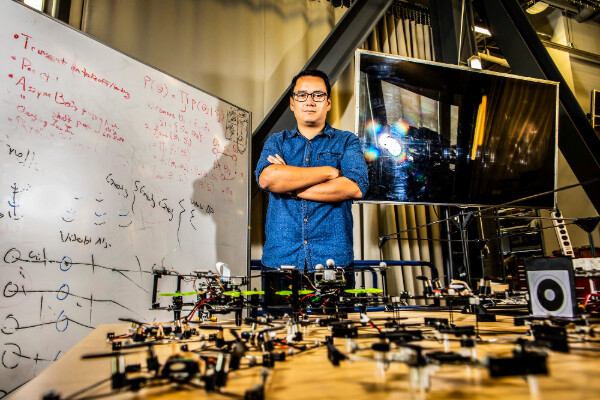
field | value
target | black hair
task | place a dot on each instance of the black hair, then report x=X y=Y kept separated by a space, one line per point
x=311 y=72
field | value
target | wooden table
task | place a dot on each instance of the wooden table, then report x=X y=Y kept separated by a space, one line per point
x=309 y=375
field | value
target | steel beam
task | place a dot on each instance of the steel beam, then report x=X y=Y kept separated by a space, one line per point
x=527 y=56
x=452 y=31
x=444 y=31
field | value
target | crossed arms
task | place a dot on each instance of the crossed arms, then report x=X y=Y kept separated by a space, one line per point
x=324 y=184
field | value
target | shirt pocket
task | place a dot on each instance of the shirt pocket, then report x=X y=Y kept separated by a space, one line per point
x=329 y=159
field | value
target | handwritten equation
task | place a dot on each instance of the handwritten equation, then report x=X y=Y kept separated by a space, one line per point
x=30 y=46
x=59 y=307
x=178 y=123
x=39 y=88
x=179 y=131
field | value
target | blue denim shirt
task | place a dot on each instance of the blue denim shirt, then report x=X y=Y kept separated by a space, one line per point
x=304 y=233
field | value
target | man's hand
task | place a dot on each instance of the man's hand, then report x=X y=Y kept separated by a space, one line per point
x=276 y=159
x=334 y=190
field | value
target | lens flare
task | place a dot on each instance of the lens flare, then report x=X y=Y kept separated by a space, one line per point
x=372 y=127
x=400 y=127
x=371 y=153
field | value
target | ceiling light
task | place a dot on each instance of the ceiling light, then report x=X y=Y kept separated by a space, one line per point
x=474 y=62
x=537 y=8
x=482 y=30
x=37 y=4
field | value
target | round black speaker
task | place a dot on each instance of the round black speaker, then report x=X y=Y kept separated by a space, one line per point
x=550 y=294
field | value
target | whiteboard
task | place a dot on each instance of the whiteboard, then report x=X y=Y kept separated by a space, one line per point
x=109 y=169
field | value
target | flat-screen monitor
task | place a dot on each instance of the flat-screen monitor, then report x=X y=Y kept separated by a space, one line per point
x=442 y=134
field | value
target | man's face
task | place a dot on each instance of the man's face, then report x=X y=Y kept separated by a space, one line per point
x=310 y=112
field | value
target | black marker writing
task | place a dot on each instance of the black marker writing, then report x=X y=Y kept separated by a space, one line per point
x=25 y=158
x=117 y=186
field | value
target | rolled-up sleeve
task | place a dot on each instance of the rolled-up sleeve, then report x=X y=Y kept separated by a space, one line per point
x=353 y=164
x=272 y=146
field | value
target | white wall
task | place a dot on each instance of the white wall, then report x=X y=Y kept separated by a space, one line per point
x=244 y=51
x=581 y=76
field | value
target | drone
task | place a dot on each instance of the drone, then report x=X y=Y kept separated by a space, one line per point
x=212 y=294
x=397 y=344
x=204 y=356
x=203 y=353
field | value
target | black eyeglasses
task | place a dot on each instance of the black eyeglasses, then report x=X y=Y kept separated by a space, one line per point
x=316 y=96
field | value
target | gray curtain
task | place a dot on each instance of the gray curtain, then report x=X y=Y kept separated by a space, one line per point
x=405 y=31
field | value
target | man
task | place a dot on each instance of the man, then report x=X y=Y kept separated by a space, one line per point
x=312 y=173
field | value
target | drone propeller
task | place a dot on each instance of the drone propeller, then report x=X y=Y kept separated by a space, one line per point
x=362 y=291
x=289 y=292
x=179 y=294
x=252 y=292
x=235 y=293
x=111 y=354
x=232 y=293
x=213 y=326
x=390 y=319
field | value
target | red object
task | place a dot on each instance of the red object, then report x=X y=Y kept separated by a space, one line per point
x=584 y=287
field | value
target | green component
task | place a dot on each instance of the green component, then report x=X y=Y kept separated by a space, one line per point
x=178 y=294
x=251 y=292
x=356 y=291
x=289 y=292
x=232 y=293
x=361 y=291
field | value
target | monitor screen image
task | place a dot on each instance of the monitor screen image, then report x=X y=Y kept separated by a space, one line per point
x=439 y=134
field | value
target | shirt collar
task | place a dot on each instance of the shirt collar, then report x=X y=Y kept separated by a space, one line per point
x=328 y=130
